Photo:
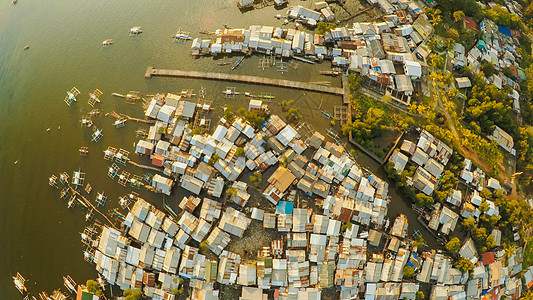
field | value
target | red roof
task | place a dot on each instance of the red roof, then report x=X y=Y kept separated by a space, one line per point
x=488 y=258
x=515 y=32
x=470 y=24
x=157 y=160
x=514 y=70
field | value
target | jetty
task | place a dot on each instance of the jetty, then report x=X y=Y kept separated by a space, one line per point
x=121 y=116
x=151 y=71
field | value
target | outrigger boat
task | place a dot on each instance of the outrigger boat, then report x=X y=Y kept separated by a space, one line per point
x=101 y=199
x=237 y=63
x=71 y=96
x=52 y=181
x=230 y=92
x=89 y=215
x=224 y=63
x=266 y=96
x=63 y=177
x=97 y=135
x=94 y=112
x=107 y=43
x=120 y=122
x=330 y=73
x=326 y=114
x=78 y=178
x=72 y=201
x=70 y=284
x=181 y=36
x=86 y=122
x=18 y=280
x=84 y=151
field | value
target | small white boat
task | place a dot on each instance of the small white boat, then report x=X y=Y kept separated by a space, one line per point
x=230 y=92
x=107 y=42
x=135 y=30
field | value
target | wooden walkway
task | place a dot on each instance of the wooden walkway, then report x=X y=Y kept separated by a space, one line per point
x=246 y=79
x=89 y=204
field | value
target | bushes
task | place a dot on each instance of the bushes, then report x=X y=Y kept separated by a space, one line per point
x=256 y=179
x=133 y=294
x=408 y=272
x=464 y=265
x=453 y=245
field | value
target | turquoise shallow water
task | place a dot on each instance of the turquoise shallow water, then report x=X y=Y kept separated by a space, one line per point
x=39 y=235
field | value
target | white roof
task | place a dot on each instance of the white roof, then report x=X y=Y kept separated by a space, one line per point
x=412 y=68
x=286 y=135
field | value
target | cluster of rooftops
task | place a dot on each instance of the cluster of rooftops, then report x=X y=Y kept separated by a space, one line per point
x=372 y=49
x=429 y=156
x=155 y=250
x=337 y=244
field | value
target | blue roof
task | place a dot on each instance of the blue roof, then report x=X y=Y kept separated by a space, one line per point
x=413 y=257
x=482 y=44
x=284 y=207
x=505 y=30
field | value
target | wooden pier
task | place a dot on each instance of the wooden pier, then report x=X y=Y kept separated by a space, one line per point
x=150 y=71
x=89 y=204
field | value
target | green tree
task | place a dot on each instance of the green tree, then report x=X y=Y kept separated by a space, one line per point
x=293 y=114
x=408 y=272
x=133 y=294
x=434 y=15
x=231 y=192
x=464 y=265
x=203 y=245
x=436 y=61
x=419 y=295
x=286 y=104
x=322 y=27
x=469 y=223
x=453 y=34
x=213 y=159
x=93 y=288
x=479 y=235
x=355 y=82
x=458 y=16
x=424 y=200
x=433 y=44
x=453 y=245
x=256 y=179
x=239 y=152
x=490 y=242
x=228 y=112
x=488 y=69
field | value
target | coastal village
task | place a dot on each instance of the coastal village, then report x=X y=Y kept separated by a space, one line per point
x=277 y=210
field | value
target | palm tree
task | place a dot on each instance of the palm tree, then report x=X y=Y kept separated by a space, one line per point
x=433 y=44
x=436 y=18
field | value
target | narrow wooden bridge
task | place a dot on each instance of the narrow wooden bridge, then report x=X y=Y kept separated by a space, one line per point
x=150 y=71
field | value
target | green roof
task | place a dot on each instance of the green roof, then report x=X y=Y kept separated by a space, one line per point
x=88 y=296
